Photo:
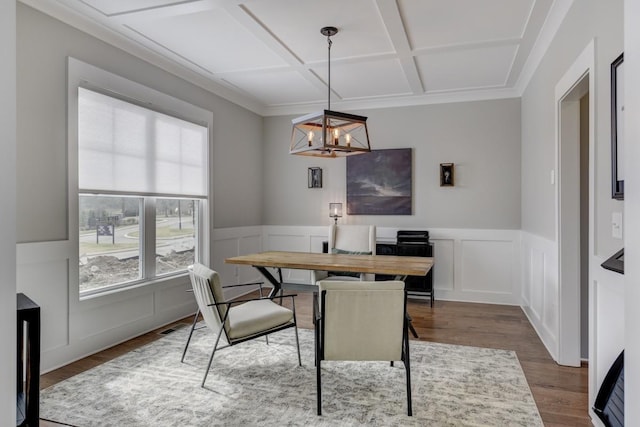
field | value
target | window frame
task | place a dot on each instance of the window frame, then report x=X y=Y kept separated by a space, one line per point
x=81 y=74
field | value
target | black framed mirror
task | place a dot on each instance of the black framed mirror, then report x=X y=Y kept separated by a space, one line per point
x=617 y=128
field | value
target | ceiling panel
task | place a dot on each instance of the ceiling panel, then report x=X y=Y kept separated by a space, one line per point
x=277 y=88
x=297 y=24
x=270 y=57
x=367 y=79
x=212 y=40
x=113 y=7
x=431 y=23
x=466 y=68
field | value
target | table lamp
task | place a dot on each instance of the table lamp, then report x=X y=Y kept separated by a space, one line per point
x=335 y=211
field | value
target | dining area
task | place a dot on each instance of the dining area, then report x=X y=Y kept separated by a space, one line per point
x=353 y=319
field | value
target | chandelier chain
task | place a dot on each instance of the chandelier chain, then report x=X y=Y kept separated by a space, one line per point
x=329 y=43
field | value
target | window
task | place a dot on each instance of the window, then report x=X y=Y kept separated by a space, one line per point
x=142 y=188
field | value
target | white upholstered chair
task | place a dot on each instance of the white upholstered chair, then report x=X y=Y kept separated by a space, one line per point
x=361 y=320
x=237 y=321
x=353 y=239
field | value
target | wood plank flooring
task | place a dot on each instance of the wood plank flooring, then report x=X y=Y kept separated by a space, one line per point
x=561 y=393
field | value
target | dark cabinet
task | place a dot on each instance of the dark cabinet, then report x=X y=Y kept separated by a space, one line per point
x=408 y=243
x=28 y=372
x=416 y=243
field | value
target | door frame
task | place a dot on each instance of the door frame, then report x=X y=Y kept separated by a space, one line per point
x=567 y=235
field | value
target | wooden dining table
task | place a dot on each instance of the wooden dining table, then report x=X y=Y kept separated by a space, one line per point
x=391 y=265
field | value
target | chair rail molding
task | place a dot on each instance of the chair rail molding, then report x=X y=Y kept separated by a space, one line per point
x=471 y=265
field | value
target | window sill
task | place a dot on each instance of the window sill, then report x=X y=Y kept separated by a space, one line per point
x=138 y=287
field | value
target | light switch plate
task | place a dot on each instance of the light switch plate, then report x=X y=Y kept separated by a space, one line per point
x=616 y=225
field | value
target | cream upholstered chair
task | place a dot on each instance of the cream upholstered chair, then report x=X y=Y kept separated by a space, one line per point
x=361 y=321
x=351 y=239
x=237 y=321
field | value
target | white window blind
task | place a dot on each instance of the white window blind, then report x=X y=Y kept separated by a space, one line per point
x=124 y=147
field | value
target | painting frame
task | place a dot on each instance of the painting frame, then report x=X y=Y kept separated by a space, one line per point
x=314 y=177
x=617 y=128
x=380 y=182
x=447 y=175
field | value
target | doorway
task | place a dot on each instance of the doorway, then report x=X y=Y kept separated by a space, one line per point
x=575 y=223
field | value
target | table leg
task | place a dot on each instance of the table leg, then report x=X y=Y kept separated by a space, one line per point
x=277 y=285
x=411 y=328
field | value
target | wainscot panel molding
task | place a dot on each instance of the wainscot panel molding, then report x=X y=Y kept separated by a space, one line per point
x=73 y=329
x=471 y=265
x=606 y=326
x=230 y=242
x=540 y=288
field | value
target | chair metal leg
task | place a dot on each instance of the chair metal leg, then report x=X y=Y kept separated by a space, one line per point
x=318 y=387
x=220 y=332
x=295 y=321
x=298 y=345
x=407 y=365
x=266 y=337
x=413 y=331
x=193 y=326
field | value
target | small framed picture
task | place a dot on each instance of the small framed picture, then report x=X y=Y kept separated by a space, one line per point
x=315 y=178
x=446 y=175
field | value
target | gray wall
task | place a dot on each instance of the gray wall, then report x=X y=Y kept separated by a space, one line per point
x=632 y=212
x=7 y=213
x=481 y=138
x=42 y=48
x=586 y=20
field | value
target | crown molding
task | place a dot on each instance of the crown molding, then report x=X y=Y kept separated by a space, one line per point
x=396 y=102
x=63 y=13
x=96 y=29
x=551 y=25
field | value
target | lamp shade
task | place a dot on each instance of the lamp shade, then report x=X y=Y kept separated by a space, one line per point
x=335 y=210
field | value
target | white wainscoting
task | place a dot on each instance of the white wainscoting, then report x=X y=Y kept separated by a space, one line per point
x=469 y=265
x=540 y=288
x=477 y=265
x=73 y=329
x=540 y=299
x=230 y=242
x=606 y=326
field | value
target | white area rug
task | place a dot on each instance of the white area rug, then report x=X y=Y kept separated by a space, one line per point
x=253 y=384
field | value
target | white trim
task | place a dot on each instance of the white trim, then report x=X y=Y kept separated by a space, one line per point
x=569 y=290
x=466 y=267
x=552 y=23
x=79 y=73
x=539 y=279
x=62 y=12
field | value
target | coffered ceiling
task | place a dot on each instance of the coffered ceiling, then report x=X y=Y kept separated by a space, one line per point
x=269 y=55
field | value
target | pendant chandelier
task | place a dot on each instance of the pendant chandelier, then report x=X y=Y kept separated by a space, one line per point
x=329 y=133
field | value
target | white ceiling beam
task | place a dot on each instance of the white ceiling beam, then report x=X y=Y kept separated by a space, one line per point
x=258 y=29
x=397 y=33
x=558 y=11
x=536 y=19
x=165 y=11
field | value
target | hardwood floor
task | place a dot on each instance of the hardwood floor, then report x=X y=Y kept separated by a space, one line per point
x=561 y=393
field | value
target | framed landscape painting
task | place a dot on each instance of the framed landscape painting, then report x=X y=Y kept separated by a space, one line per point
x=379 y=182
